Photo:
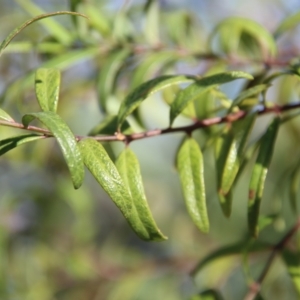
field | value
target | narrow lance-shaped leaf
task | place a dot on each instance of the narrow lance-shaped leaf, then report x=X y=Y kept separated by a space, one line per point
x=294 y=189
x=287 y=24
x=208 y=295
x=5 y=116
x=13 y=142
x=135 y=98
x=65 y=139
x=30 y=21
x=47 y=83
x=292 y=261
x=259 y=174
x=129 y=170
x=105 y=172
x=192 y=92
x=191 y=171
x=229 y=155
x=108 y=75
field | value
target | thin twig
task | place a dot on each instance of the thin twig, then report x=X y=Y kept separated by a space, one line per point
x=255 y=287
x=127 y=138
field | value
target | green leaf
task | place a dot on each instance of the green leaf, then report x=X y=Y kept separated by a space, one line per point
x=259 y=174
x=105 y=172
x=191 y=171
x=229 y=155
x=152 y=22
x=193 y=91
x=287 y=24
x=109 y=126
x=292 y=261
x=17 y=30
x=236 y=248
x=108 y=74
x=294 y=189
x=59 y=32
x=129 y=170
x=249 y=93
x=13 y=142
x=5 y=116
x=135 y=98
x=47 y=82
x=65 y=139
x=246 y=37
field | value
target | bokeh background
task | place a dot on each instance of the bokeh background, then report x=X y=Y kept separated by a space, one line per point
x=58 y=243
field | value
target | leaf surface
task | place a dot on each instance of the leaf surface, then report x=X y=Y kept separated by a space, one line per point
x=66 y=141
x=191 y=171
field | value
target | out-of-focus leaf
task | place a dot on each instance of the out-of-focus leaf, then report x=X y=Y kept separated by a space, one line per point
x=129 y=170
x=123 y=28
x=109 y=126
x=249 y=93
x=191 y=171
x=108 y=74
x=47 y=83
x=246 y=36
x=60 y=62
x=135 y=98
x=292 y=261
x=236 y=248
x=43 y=47
x=294 y=189
x=152 y=22
x=103 y=169
x=192 y=92
x=259 y=174
x=97 y=19
x=287 y=24
x=73 y=7
x=13 y=142
x=208 y=295
x=5 y=116
x=17 y=30
x=65 y=139
x=59 y=32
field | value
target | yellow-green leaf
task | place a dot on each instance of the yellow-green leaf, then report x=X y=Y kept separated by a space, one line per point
x=65 y=139
x=259 y=174
x=135 y=98
x=47 y=83
x=287 y=24
x=5 y=116
x=192 y=92
x=105 y=172
x=129 y=170
x=191 y=171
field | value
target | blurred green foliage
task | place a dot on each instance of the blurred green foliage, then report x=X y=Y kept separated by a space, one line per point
x=60 y=243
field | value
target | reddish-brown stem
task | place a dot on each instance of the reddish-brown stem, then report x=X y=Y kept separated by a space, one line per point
x=255 y=287
x=127 y=138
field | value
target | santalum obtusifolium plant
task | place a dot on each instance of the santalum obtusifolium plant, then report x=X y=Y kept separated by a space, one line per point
x=250 y=59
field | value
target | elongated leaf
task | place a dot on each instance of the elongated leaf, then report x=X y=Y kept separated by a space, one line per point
x=65 y=139
x=129 y=169
x=135 y=98
x=30 y=21
x=13 y=142
x=108 y=75
x=287 y=24
x=47 y=82
x=294 y=189
x=246 y=36
x=229 y=156
x=5 y=116
x=236 y=248
x=105 y=172
x=249 y=93
x=152 y=22
x=259 y=174
x=292 y=261
x=192 y=92
x=53 y=27
x=190 y=168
